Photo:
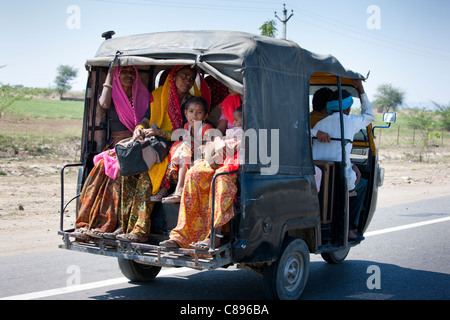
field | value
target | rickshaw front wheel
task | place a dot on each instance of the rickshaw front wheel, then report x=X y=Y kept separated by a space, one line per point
x=286 y=278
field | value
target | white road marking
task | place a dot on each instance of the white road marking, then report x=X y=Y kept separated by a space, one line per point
x=87 y=286
x=172 y=271
x=407 y=226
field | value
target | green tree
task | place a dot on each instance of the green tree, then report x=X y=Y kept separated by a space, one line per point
x=444 y=112
x=388 y=98
x=269 y=28
x=65 y=74
x=425 y=122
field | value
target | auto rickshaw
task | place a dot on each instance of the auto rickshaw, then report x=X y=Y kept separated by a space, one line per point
x=280 y=218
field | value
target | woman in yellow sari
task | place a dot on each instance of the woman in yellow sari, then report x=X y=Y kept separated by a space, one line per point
x=164 y=113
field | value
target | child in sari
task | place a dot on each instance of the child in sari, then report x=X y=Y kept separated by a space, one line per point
x=182 y=152
x=194 y=219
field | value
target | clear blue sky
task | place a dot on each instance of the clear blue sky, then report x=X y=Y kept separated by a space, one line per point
x=408 y=46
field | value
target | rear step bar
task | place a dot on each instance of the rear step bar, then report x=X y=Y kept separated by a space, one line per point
x=147 y=253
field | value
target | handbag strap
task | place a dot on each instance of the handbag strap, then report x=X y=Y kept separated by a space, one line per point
x=146 y=143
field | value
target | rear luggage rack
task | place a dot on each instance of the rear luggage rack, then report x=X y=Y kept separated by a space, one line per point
x=147 y=253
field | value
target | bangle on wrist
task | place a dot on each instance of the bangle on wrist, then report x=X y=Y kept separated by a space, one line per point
x=139 y=126
x=107 y=85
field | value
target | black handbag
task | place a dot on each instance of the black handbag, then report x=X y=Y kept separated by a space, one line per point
x=129 y=155
x=139 y=156
x=161 y=146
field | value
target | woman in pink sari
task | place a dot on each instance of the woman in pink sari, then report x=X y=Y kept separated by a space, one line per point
x=117 y=207
x=126 y=101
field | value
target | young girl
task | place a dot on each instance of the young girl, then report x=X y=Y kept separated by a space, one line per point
x=194 y=219
x=182 y=152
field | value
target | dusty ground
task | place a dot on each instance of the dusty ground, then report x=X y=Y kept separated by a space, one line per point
x=30 y=194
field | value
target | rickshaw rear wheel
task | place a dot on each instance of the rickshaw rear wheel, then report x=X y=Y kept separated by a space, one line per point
x=336 y=256
x=286 y=278
x=139 y=272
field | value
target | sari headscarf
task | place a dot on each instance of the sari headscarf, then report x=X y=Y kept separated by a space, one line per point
x=165 y=112
x=174 y=103
x=130 y=114
x=228 y=105
x=174 y=107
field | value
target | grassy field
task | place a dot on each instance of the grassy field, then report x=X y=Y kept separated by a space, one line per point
x=39 y=126
x=47 y=109
x=400 y=134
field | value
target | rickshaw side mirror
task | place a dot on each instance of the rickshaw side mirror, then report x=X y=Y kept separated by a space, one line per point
x=389 y=117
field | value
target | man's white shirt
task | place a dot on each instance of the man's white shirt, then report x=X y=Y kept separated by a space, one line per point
x=352 y=125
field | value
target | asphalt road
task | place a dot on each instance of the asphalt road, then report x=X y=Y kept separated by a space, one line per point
x=408 y=262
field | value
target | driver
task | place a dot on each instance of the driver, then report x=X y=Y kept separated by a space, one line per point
x=332 y=151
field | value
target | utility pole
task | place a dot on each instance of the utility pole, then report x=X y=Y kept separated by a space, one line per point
x=285 y=20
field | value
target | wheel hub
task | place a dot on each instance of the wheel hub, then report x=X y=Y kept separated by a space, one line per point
x=293 y=273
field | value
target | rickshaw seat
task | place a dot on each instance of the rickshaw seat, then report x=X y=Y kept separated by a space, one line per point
x=326 y=193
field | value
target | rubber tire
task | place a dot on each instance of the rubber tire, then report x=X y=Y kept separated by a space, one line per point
x=286 y=278
x=335 y=257
x=138 y=272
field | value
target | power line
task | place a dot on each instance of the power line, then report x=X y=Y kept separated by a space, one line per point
x=385 y=41
x=187 y=5
x=319 y=21
x=352 y=28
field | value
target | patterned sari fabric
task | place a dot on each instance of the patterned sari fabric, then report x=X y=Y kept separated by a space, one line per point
x=100 y=196
x=136 y=209
x=194 y=219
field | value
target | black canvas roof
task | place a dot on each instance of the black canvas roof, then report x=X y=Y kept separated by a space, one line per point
x=273 y=75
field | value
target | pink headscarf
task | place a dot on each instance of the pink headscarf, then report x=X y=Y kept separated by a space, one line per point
x=130 y=115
